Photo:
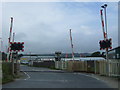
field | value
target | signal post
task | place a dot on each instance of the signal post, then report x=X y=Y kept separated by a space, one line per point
x=16 y=47
x=106 y=43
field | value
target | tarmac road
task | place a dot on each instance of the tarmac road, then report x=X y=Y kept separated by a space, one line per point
x=46 y=78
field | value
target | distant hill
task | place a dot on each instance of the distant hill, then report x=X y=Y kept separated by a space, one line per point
x=69 y=55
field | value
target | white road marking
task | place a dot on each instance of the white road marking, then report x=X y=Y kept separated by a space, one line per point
x=92 y=76
x=95 y=77
x=28 y=76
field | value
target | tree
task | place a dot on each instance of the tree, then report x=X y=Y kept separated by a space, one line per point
x=96 y=54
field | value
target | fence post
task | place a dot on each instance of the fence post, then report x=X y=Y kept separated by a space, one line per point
x=95 y=66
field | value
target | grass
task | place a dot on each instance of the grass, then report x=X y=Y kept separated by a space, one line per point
x=7 y=73
x=7 y=79
x=0 y=80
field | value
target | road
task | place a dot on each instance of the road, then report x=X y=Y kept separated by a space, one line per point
x=46 y=78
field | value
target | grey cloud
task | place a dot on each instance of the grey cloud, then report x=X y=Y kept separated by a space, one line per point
x=20 y=36
x=44 y=27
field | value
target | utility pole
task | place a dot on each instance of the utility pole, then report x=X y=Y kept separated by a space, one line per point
x=71 y=45
x=105 y=33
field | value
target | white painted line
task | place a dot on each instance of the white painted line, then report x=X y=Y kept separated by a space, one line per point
x=28 y=76
x=92 y=76
x=95 y=77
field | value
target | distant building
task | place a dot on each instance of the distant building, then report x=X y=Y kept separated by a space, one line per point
x=114 y=53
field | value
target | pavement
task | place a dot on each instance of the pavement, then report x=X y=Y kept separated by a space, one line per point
x=24 y=68
x=47 y=78
x=112 y=82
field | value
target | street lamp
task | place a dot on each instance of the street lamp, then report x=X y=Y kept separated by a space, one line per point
x=105 y=5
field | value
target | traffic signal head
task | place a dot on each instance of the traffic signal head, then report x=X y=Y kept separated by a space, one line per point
x=102 y=44
x=105 y=44
x=110 y=43
x=16 y=46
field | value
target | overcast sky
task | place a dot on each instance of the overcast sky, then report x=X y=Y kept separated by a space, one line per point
x=44 y=26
